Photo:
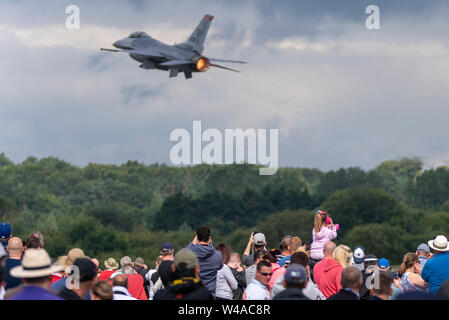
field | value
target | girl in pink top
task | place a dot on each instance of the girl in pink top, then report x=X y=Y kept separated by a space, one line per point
x=324 y=231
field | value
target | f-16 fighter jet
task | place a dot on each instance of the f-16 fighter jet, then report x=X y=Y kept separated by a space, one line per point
x=184 y=57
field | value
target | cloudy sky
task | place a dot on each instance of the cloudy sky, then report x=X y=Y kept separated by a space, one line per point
x=341 y=95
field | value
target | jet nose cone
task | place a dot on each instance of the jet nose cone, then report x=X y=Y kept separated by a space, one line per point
x=122 y=44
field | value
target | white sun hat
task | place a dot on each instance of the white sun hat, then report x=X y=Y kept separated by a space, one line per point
x=440 y=243
x=36 y=263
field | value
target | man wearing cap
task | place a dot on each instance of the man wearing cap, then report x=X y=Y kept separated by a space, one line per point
x=164 y=273
x=36 y=271
x=210 y=259
x=256 y=242
x=295 y=281
x=351 y=282
x=83 y=276
x=423 y=253
x=370 y=264
x=359 y=258
x=5 y=234
x=436 y=270
x=186 y=284
x=384 y=265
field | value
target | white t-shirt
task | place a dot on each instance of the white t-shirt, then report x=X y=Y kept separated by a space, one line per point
x=256 y=291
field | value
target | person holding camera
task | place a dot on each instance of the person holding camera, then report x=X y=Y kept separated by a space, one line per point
x=257 y=242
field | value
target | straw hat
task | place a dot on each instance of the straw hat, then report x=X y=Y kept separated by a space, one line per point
x=111 y=264
x=35 y=263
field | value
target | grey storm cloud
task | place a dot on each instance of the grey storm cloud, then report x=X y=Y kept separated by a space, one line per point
x=339 y=94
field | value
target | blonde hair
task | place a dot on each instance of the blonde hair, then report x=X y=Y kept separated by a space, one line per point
x=408 y=261
x=295 y=244
x=343 y=255
x=319 y=222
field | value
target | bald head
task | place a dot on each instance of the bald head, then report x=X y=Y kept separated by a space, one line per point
x=120 y=280
x=15 y=247
x=328 y=249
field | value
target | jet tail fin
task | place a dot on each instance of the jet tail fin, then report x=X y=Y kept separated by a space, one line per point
x=197 y=38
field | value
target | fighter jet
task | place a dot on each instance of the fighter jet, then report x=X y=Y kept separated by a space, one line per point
x=184 y=57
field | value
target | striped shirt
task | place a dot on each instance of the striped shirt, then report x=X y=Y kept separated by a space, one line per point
x=226 y=282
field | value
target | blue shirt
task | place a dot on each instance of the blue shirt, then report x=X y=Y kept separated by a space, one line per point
x=435 y=271
x=35 y=293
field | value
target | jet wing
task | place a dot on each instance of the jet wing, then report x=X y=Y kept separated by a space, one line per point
x=142 y=52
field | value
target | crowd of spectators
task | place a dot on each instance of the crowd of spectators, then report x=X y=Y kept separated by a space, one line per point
x=201 y=271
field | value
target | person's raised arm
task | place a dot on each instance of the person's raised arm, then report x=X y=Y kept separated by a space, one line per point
x=248 y=246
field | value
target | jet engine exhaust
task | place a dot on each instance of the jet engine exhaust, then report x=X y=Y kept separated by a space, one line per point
x=203 y=64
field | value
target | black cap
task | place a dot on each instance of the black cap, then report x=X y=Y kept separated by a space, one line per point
x=87 y=269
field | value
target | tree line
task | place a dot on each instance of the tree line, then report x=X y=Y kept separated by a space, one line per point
x=129 y=209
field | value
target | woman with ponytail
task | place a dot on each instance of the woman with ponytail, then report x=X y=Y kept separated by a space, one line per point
x=410 y=274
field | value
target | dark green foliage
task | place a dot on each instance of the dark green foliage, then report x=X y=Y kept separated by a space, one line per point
x=295 y=223
x=431 y=188
x=354 y=207
x=111 y=210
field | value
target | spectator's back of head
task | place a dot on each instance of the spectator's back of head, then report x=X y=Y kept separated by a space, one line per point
x=120 y=280
x=32 y=242
x=225 y=252
x=370 y=260
x=15 y=246
x=286 y=244
x=300 y=258
x=203 y=234
x=295 y=276
x=102 y=290
x=384 y=288
x=87 y=269
x=328 y=249
x=38 y=235
x=351 y=277
x=186 y=264
x=235 y=258
x=343 y=255
x=296 y=243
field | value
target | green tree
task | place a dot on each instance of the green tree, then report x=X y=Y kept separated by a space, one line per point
x=353 y=207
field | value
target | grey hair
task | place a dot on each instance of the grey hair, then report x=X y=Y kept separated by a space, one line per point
x=125 y=261
x=40 y=236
